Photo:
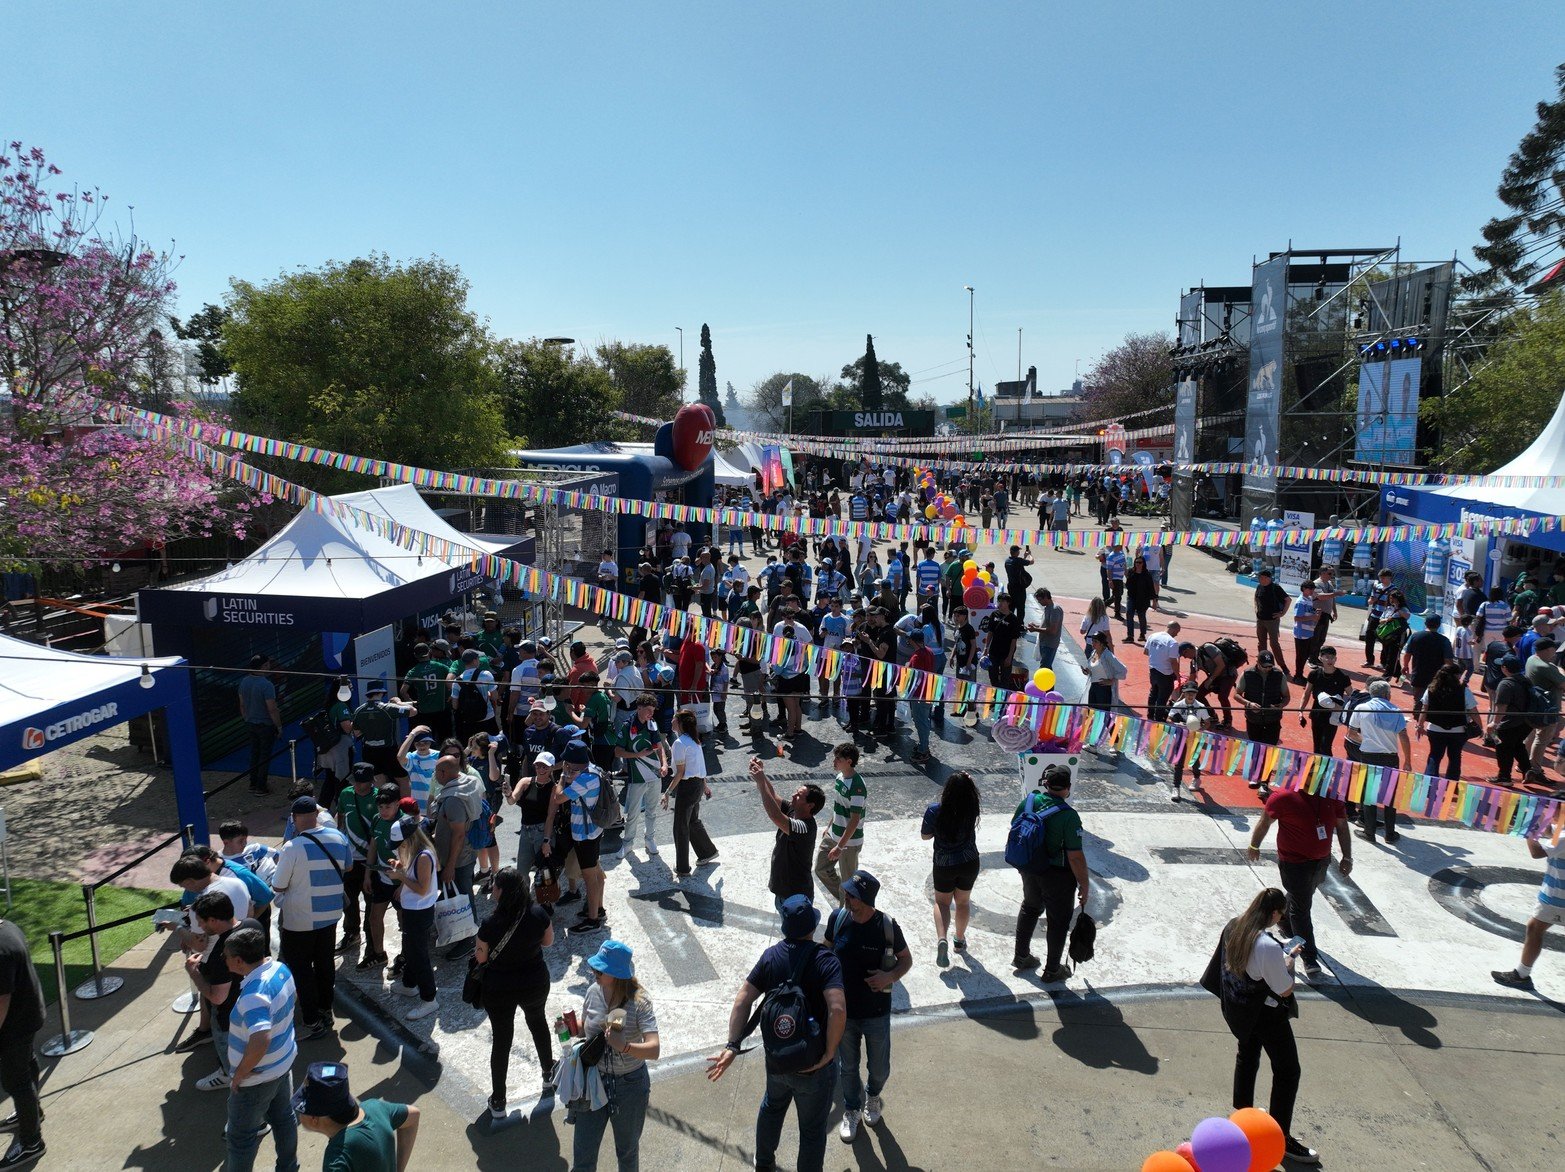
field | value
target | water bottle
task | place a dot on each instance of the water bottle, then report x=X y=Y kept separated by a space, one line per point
x=562 y=1031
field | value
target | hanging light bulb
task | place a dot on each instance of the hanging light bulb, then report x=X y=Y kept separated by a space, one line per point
x=146 y=677
x=345 y=693
x=115 y=567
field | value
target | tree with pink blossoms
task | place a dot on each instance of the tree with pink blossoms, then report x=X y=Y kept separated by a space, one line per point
x=79 y=311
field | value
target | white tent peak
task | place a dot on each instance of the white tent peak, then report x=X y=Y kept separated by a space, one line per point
x=1545 y=456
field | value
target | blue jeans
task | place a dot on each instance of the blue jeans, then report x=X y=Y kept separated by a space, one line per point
x=920 y=710
x=250 y=1106
x=812 y=1094
x=528 y=842
x=1046 y=655
x=875 y=1034
x=627 y=1111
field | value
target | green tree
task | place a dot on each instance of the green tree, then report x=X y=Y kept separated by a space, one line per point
x=1510 y=399
x=706 y=381
x=766 y=400
x=894 y=382
x=204 y=330
x=1519 y=246
x=870 y=396
x=731 y=398
x=367 y=355
x=554 y=396
x=1135 y=375
x=647 y=379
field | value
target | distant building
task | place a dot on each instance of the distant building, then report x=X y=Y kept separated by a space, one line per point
x=1019 y=405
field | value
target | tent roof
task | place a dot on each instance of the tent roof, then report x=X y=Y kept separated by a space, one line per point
x=35 y=679
x=1544 y=457
x=726 y=471
x=402 y=503
x=320 y=555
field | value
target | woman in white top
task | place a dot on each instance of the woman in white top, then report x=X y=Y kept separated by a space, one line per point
x=1104 y=670
x=688 y=787
x=1096 y=621
x=416 y=869
x=1448 y=716
x=1257 y=992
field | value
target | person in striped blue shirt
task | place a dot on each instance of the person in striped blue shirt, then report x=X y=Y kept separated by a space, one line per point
x=1550 y=911
x=309 y=884
x=261 y=1050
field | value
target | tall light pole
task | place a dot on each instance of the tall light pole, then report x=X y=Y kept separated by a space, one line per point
x=681 y=331
x=970 y=419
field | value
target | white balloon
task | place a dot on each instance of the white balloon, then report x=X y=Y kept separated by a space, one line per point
x=1193 y=722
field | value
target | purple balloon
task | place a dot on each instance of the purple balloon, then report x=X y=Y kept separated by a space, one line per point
x=1053 y=697
x=1035 y=691
x=929 y=494
x=1220 y=1146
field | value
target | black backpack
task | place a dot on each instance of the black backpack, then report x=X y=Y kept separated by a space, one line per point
x=323 y=731
x=791 y=1036
x=1236 y=655
x=470 y=705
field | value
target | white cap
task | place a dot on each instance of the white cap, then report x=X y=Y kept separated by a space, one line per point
x=1327 y=700
x=545 y=759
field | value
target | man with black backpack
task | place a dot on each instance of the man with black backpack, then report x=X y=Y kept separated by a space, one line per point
x=874 y=956
x=472 y=698
x=1509 y=724
x=802 y=1020
x=1219 y=662
x=1045 y=846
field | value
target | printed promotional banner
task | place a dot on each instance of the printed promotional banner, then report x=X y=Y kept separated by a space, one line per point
x=1263 y=410
x=1387 y=416
x=1293 y=568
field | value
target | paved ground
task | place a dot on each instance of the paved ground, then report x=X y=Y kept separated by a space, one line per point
x=1393 y=1046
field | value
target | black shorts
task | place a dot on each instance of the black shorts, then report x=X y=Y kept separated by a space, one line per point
x=382 y=890
x=958 y=878
x=798 y=685
x=384 y=759
x=586 y=852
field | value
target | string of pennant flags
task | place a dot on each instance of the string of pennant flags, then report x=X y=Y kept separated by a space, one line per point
x=936 y=532
x=838 y=449
x=1480 y=805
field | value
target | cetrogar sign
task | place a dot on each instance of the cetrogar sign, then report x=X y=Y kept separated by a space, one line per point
x=37 y=738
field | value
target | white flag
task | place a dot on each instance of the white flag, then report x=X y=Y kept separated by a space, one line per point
x=787 y=394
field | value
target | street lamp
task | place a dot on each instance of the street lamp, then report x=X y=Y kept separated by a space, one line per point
x=970 y=420
x=681 y=331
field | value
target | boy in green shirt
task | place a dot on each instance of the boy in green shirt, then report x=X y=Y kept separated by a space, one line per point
x=368 y=1136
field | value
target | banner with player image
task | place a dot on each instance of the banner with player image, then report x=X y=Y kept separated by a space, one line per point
x=1387 y=417
x=1263 y=413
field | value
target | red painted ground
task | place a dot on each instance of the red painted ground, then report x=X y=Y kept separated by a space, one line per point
x=1477 y=762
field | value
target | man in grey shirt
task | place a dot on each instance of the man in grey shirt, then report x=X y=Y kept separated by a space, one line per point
x=458 y=802
x=258 y=709
x=1049 y=630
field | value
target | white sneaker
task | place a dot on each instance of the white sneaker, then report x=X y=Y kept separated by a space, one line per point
x=872 y=1107
x=652 y=849
x=848 y=1129
x=1195 y=785
x=216 y=1081
x=1173 y=791
x=422 y=1010
x=406 y=990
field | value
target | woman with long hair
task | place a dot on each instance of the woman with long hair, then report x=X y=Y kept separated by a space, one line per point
x=687 y=788
x=1449 y=718
x=511 y=943
x=416 y=870
x=1257 y=998
x=1104 y=671
x=618 y=1007
x=1392 y=633
x=952 y=823
x=1096 y=620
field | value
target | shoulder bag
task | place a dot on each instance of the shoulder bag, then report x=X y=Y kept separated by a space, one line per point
x=473 y=983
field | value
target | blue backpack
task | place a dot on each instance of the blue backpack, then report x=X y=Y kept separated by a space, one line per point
x=1026 y=846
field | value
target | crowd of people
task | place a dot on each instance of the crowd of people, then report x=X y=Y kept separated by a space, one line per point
x=578 y=754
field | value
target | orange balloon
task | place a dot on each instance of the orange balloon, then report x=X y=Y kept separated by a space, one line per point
x=1267 y=1142
x=1166 y=1162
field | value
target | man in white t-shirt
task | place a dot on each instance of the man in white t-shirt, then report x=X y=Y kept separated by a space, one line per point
x=608 y=571
x=627 y=685
x=680 y=542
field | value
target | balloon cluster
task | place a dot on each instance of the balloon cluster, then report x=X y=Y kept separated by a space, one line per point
x=1249 y=1140
x=936 y=503
x=977 y=586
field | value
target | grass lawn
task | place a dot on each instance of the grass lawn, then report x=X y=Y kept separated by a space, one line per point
x=39 y=907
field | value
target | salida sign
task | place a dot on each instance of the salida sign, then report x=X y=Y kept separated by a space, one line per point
x=37 y=738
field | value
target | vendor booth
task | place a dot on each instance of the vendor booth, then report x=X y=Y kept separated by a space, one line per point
x=323 y=596
x=1500 y=558
x=49 y=698
x=677 y=467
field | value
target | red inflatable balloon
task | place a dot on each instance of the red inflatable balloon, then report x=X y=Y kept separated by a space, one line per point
x=976 y=597
x=694 y=428
x=1185 y=1150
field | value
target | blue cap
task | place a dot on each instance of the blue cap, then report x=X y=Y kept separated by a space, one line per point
x=325 y=1093
x=614 y=959
x=862 y=886
x=799 y=917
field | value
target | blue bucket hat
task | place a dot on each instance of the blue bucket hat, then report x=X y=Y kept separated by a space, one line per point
x=799 y=917
x=614 y=959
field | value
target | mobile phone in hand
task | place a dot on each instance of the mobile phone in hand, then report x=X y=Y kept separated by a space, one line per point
x=1292 y=945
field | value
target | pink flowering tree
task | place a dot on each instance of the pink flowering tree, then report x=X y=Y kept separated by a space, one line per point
x=79 y=311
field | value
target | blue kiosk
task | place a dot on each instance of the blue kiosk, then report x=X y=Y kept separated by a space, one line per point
x=50 y=698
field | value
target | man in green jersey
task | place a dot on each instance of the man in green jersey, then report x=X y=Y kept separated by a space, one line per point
x=428 y=685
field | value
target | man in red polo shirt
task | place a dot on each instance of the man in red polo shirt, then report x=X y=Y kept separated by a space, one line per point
x=1305 y=823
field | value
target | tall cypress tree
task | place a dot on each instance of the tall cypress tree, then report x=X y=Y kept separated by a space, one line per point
x=869 y=390
x=706 y=379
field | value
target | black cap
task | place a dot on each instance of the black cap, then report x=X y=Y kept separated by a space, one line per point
x=362 y=774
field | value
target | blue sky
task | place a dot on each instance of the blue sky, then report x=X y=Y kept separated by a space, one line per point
x=797 y=175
